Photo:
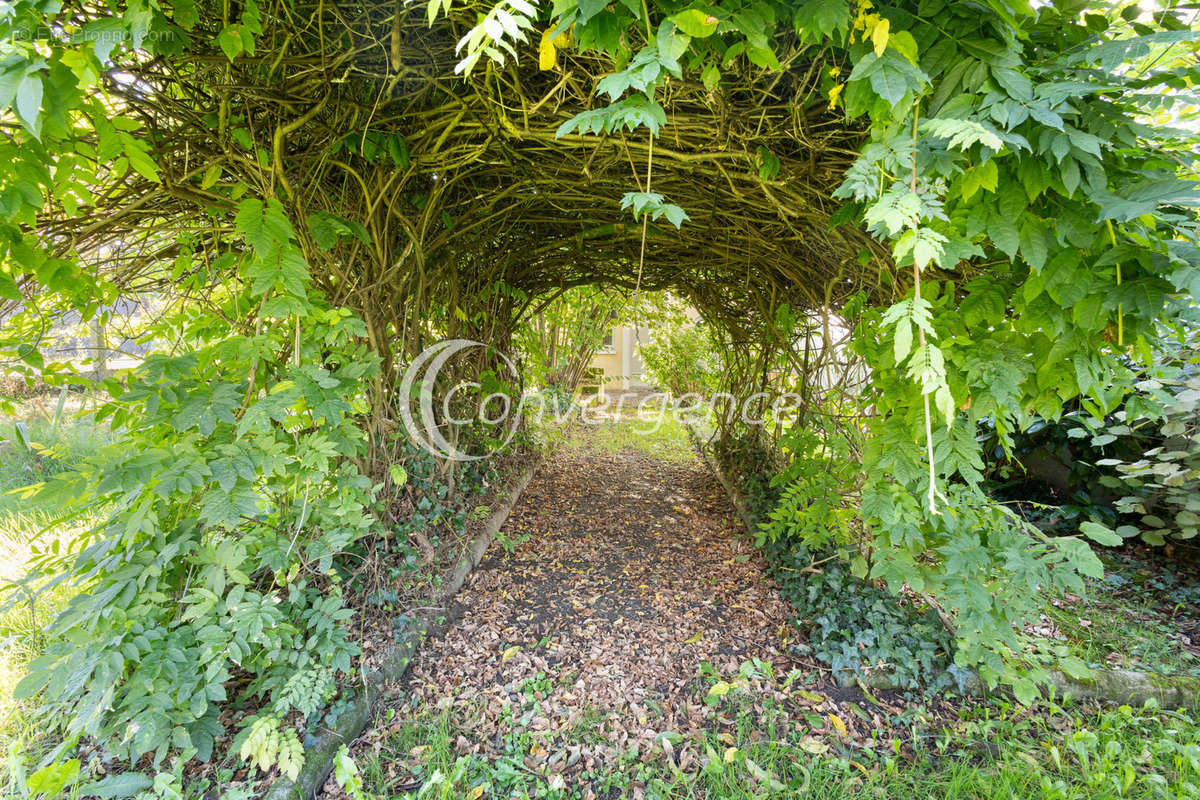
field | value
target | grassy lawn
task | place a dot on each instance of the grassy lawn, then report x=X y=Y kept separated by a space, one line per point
x=989 y=751
x=26 y=529
x=1140 y=616
x=655 y=431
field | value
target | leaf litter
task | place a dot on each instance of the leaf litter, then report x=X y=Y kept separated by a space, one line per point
x=614 y=617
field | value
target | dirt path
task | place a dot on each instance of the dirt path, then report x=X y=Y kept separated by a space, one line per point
x=621 y=585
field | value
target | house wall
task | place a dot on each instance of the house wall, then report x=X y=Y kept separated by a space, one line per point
x=622 y=366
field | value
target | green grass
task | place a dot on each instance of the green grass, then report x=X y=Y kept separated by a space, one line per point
x=990 y=751
x=656 y=434
x=1124 y=614
x=26 y=529
x=1097 y=629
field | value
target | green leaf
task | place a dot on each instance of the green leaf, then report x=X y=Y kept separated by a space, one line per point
x=630 y=113
x=31 y=355
x=230 y=41
x=892 y=81
x=328 y=229
x=1003 y=232
x=225 y=510
x=1024 y=690
x=104 y=34
x=652 y=203
x=139 y=159
x=1146 y=196
x=1080 y=556
x=961 y=134
x=398 y=474
x=125 y=784
x=1074 y=668
x=822 y=18
x=1033 y=244
x=904 y=42
x=8 y=287
x=991 y=52
x=1100 y=534
x=264 y=227
x=696 y=23
x=983 y=176
x=1017 y=85
x=51 y=780
x=589 y=9
x=763 y=57
x=671 y=45
x=928 y=247
x=184 y=13
x=29 y=102
x=1046 y=116
x=902 y=341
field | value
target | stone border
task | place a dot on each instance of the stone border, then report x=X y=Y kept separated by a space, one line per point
x=1105 y=685
x=318 y=758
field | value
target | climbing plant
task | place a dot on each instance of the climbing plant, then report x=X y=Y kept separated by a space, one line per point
x=993 y=197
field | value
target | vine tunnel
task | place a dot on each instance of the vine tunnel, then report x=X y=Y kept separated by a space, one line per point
x=460 y=183
x=318 y=193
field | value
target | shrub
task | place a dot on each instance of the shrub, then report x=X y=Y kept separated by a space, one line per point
x=1136 y=470
x=210 y=577
x=806 y=517
x=1158 y=491
x=682 y=358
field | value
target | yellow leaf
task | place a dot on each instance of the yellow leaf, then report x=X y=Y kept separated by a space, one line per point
x=730 y=754
x=475 y=793
x=863 y=20
x=833 y=95
x=860 y=768
x=879 y=36
x=510 y=652
x=720 y=689
x=725 y=738
x=810 y=745
x=547 y=52
x=548 y=48
x=838 y=725
x=694 y=638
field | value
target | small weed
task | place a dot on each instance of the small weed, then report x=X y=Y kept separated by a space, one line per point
x=510 y=543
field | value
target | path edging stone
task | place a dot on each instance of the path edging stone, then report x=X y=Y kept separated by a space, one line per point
x=325 y=740
x=1105 y=685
